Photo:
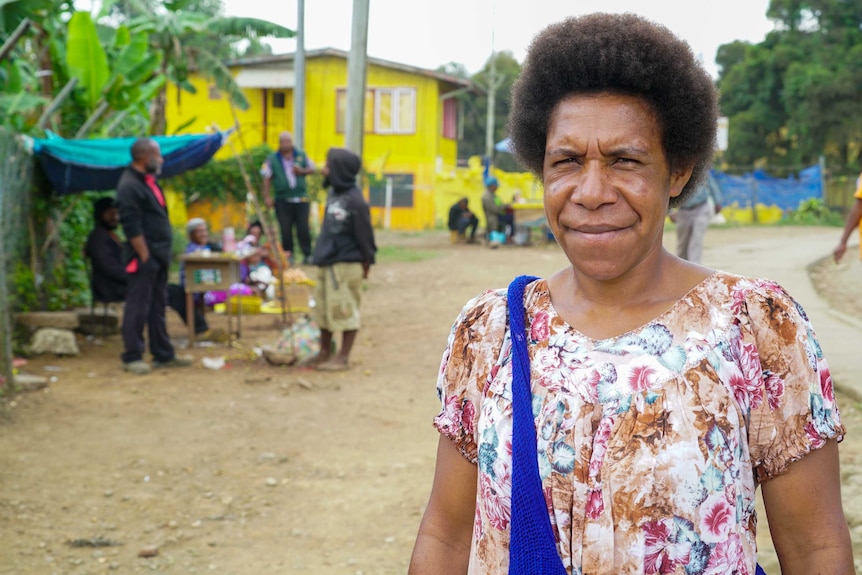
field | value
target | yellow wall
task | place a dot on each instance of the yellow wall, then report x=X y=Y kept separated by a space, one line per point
x=456 y=183
x=415 y=153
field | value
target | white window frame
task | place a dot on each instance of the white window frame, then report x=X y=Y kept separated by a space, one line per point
x=395 y=94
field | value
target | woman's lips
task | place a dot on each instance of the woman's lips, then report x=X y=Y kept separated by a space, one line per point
x=597 y=228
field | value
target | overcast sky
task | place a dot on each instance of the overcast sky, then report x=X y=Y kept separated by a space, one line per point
x=429 y=33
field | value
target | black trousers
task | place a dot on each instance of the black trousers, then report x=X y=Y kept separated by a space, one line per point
x=146 y=297
x=294 y=215
x=177 y=301
x=468 y=221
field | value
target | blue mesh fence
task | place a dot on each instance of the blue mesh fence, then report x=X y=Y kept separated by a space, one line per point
x=758 y=187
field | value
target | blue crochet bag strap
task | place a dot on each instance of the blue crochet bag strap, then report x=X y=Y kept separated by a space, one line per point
x=532 y=546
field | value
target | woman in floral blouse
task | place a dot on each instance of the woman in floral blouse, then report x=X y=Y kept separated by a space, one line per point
x=663 y=392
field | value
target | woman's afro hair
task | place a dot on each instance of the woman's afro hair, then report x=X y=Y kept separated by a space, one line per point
x=622 y=54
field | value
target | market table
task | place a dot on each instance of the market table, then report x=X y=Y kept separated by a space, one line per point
x=212 y=271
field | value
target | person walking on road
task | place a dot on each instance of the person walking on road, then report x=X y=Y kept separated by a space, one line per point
x=285 y=188
x=693 y=217
x=144 y=217
x=852 y=223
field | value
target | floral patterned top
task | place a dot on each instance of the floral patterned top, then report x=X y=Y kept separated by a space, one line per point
x=651 y=444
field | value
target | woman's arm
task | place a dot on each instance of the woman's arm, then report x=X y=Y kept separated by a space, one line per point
x=805 y=516
x=446 y=532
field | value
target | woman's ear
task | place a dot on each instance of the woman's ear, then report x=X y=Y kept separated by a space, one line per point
x=678 y=179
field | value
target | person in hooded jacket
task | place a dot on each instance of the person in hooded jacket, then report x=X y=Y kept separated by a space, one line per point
x=344 y=253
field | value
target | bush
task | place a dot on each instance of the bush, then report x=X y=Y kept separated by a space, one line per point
x=61 y=281
x=220 y=180
x=814 y=212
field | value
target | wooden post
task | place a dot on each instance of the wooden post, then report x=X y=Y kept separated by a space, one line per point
x=281 y=260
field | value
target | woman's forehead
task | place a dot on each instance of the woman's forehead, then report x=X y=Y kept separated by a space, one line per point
x=608 y=118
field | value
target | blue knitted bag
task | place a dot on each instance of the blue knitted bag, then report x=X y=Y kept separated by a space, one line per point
x=532 y=545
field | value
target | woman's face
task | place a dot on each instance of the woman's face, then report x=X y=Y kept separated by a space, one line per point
x=607 y=183
x=201 y=235
x=256 y=231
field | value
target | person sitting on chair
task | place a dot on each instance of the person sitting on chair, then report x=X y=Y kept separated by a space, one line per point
x=497 y=216
x=105 y=251
x=461 y=218
x=198 y=234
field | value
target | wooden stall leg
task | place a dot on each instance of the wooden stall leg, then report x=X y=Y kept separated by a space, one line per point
x=190 y=317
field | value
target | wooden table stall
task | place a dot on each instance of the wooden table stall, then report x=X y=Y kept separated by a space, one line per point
x=529 y=217
x=205 y=271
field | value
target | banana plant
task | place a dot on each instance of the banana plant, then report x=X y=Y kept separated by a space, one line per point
x=181 y=36
x=116 y=79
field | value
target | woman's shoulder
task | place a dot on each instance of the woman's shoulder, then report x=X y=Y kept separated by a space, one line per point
x=750 y=286
x=489 y=311
x=750 y=294
x=487 y=306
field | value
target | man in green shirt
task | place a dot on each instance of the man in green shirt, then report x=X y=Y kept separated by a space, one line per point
x=285 y=189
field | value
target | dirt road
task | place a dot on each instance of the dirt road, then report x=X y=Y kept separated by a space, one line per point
x=261 y=470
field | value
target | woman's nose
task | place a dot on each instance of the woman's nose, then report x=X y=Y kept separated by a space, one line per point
x=593 y=188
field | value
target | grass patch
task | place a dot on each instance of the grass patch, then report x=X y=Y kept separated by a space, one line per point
x=386 y=254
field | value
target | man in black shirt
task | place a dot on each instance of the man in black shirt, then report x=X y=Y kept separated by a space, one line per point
x=105 y=252
x=144 y=216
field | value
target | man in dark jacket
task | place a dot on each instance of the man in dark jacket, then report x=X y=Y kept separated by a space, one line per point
x=344 y=253
x=105 y=252
x=461 y=218
x=144 y=216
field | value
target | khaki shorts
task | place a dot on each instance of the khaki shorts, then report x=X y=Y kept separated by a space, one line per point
x=337 y=296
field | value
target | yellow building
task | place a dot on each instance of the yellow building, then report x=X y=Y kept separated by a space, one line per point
x=411 y=120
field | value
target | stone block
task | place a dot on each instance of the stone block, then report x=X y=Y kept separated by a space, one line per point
x=55 y=319
x=48 y=340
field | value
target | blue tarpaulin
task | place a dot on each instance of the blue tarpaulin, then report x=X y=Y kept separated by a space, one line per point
x=504 y=146
x=96 y=165
x=758 y=187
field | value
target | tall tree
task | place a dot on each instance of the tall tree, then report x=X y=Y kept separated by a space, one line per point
x=798 y=94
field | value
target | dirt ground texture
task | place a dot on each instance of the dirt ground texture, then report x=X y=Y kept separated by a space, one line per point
x=255 y=469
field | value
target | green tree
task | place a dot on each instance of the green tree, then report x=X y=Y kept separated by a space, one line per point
x=798 y=94
x=98 y=74
x=475 y=106
x=182 y=36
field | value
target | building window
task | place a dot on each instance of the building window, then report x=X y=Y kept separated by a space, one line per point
x=387 y=110
x=395 y=111
x=214 y=92
x=402 y=191
x=450 y=118
x=278 y=99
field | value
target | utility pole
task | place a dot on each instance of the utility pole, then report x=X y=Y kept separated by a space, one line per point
x=299 y=78
x=493 y=83
x=356 y=78
x=489 y=116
